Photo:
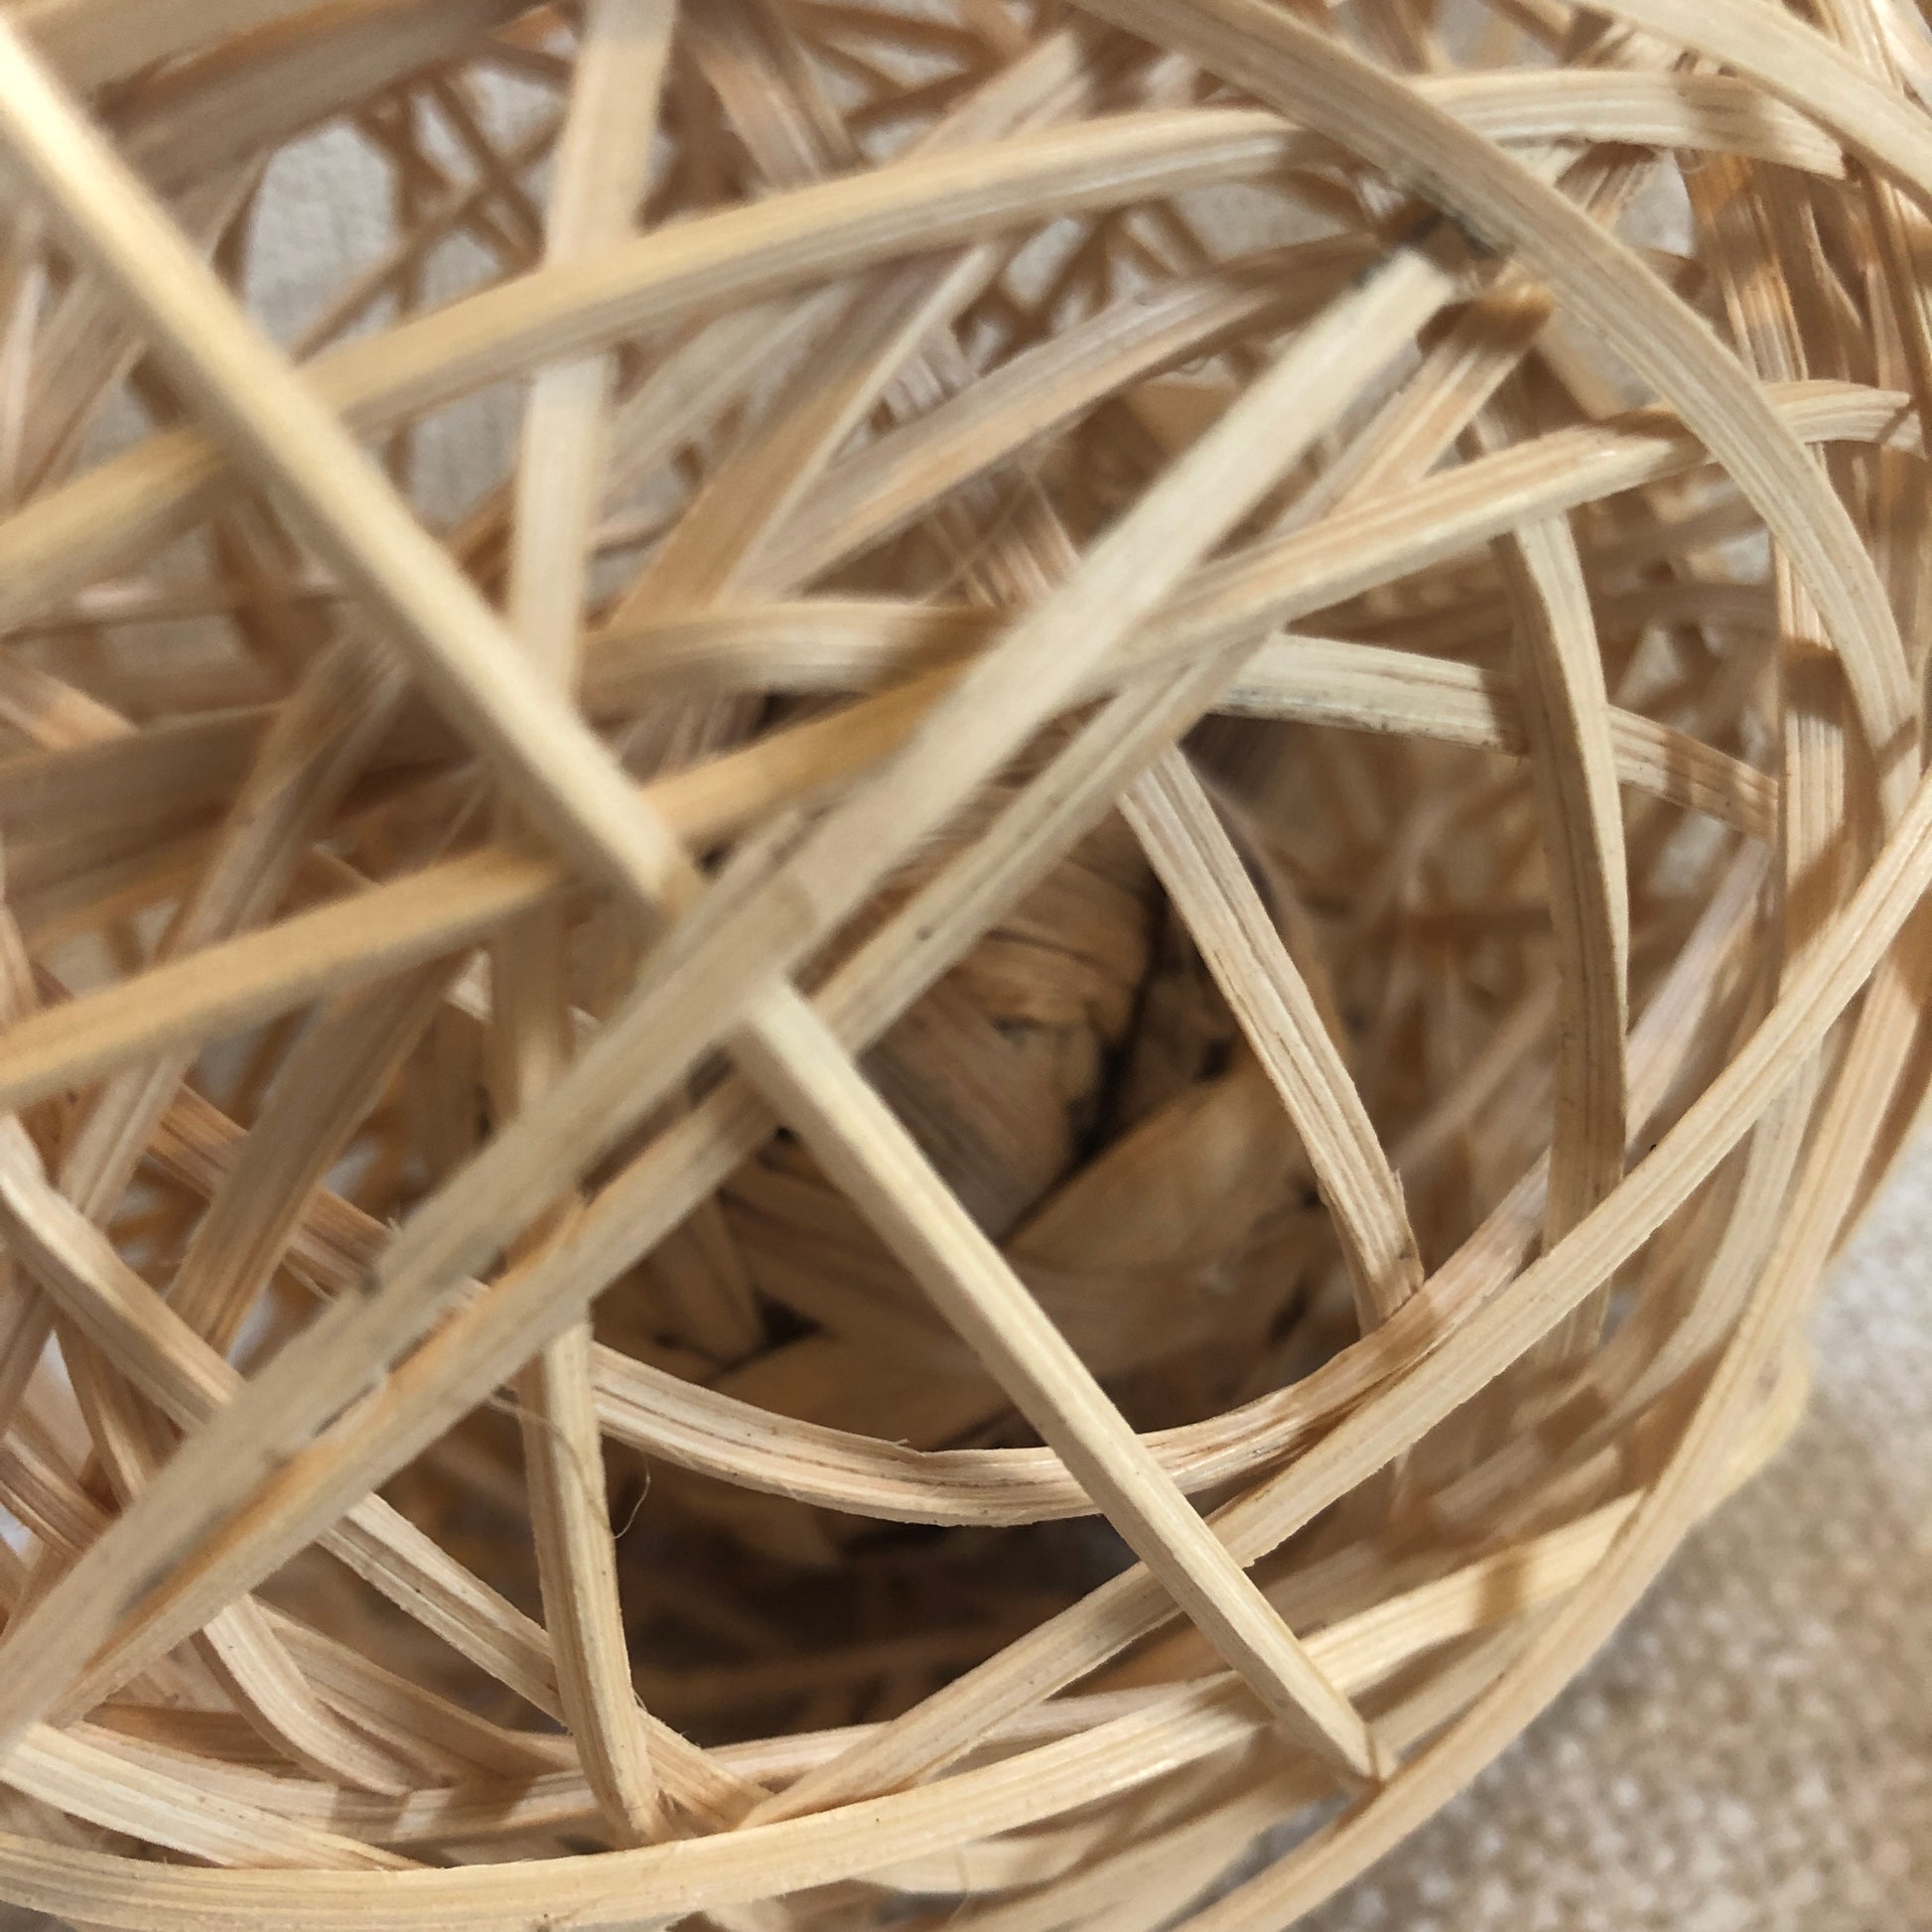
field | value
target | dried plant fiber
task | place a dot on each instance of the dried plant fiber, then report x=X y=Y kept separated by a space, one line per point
x=933 y=980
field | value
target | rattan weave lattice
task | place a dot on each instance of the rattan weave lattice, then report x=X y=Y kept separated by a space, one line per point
x=949 y=967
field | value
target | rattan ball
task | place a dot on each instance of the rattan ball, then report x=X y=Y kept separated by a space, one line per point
x=941 y=941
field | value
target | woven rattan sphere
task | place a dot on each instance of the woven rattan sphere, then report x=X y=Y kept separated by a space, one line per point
x=942 y=941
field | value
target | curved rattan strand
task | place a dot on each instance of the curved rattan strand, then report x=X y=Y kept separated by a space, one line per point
x=1036 y=1042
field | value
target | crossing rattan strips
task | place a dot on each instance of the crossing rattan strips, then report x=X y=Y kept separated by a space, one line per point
x=980 y=1110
